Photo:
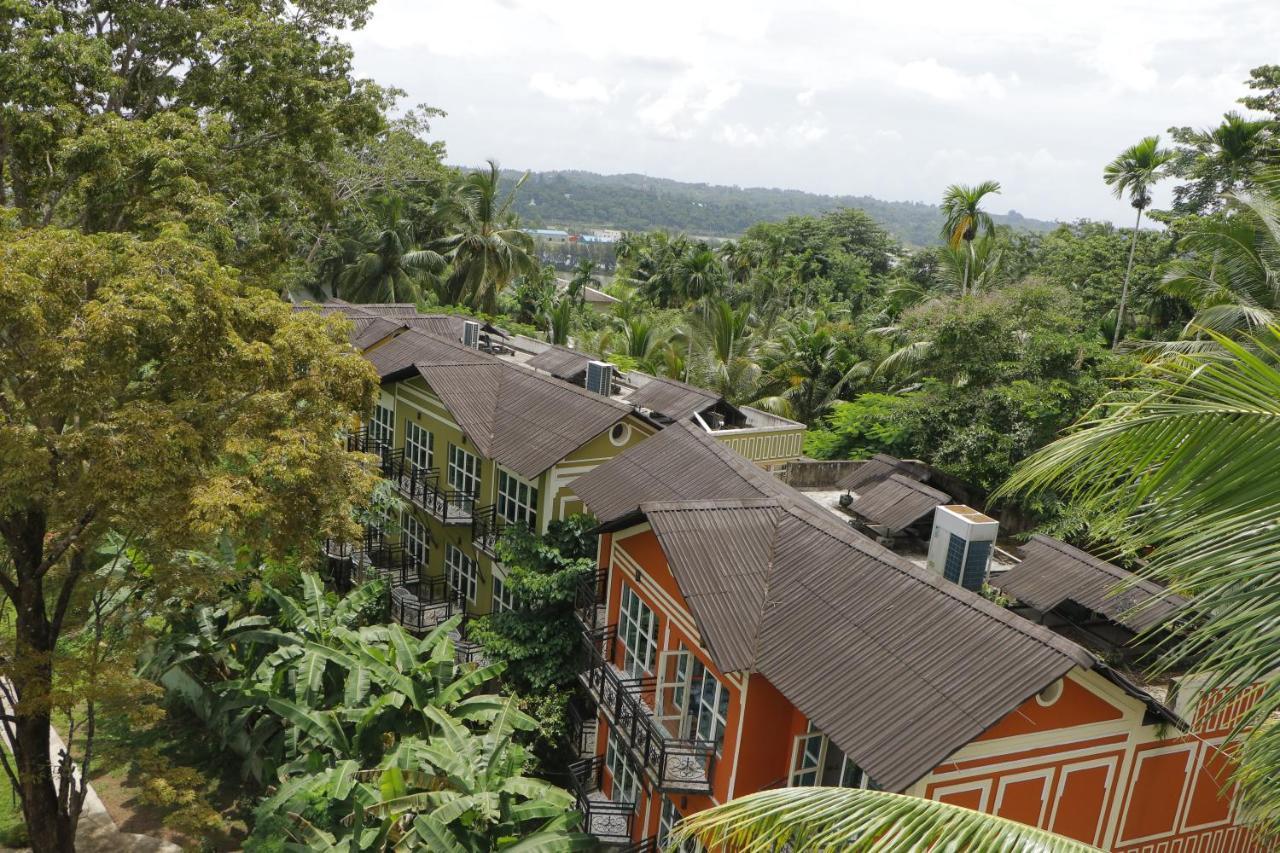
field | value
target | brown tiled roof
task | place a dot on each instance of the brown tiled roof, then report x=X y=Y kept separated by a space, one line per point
x=525 y=421
x=368 y=331
x=448 y=325
x=671 y=398
x=897 y=665
x=561 y=362
x=673 y=465
x=879 y=468
x=1053 y=572
x=898 y=502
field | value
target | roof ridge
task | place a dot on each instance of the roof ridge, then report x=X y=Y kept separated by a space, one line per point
x=962 y=596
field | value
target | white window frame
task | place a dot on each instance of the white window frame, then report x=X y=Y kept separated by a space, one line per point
x=416 y=451
x=625 y=775
x=503 y=600
x=382 y=425
x=851 y=775
x=707 y=697
x=463 y=473
x=517 y=500
x=638 y=633
x=462 y=571
x=417 y=539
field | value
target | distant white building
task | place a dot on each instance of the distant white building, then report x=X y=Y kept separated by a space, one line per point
x=606 y=235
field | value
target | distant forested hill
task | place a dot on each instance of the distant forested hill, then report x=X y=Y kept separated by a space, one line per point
x=638 y=202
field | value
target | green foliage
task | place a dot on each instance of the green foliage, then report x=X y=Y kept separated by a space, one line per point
x=860 y=428
x=642 y=203
x=363 y=735
x=860 y=821
x=1180 y=465
x=538 y=640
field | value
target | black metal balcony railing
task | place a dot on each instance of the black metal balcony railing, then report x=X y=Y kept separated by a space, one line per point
x=675 y=764
x=591 y=597
x=486 y=528
x=582 y=727
x=422 y=609
x=423 y=488
x=386 y=562
x=607 y=820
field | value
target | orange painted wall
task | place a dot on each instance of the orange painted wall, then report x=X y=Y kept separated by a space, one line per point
x=1083 y=766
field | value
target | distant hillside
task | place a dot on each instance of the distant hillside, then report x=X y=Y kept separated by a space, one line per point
x=638 y=203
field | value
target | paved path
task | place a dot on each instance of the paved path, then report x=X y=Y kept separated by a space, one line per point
x=97 y=832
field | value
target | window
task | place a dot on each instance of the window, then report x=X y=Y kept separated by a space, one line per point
x=667 y=824
x=709 y=708
x=517 y=500
x=461 y=571
x=818 y=761
x=417 y=541
x=382 y=427
x=638 y=630
x=620 y=434
x=418 y=446
x=626 y=779
x=464 y=470
x=502 y=597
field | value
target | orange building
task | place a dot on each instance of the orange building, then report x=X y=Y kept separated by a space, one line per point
x=741 y=637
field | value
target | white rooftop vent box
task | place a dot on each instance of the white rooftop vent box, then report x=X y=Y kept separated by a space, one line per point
x=471 y=334
x=961 y=545
x=600 y=377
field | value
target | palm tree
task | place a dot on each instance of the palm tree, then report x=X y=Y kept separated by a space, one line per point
x=382 y=264
x=559 y=320
x=811 y=368
x=584 y=276
x=1183 y=463
x=978 y=264
x=1134 y=171
x=486 y=248
x=964 y=218
x=1230 y=270
x=859 y=821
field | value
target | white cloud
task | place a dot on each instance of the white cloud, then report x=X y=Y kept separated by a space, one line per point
x=688 y=102
x=1039 y=96
x=947 y=84
x=582 y=89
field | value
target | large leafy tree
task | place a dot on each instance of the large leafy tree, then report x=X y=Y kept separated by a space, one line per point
x=1180 y=465
x=964 y=219
x=145 y=390
x=483 y=242
x=222 y=117
x=1134 y=172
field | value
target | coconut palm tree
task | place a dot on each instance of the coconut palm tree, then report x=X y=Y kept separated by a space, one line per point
x=964 y=218
x=382 y=263
x=1134 y=171
x=859 y=821
x=1230 y=267
x=1182 y=463
x=809 y=369
x=486 y=248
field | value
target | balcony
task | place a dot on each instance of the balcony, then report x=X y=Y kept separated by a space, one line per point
x=673 y=763
x=609 y=821
x=592 y=599
x=486 y=529
x=421 y=608
x=422 y=488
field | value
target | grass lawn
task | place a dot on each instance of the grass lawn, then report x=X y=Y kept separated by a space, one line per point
x=13 y=830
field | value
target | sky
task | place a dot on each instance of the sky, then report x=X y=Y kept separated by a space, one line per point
x=893 y=99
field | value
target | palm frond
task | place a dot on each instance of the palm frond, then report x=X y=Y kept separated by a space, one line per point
x=854 y=820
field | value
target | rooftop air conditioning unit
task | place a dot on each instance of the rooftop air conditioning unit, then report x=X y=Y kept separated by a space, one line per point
x=471 y=334
x=961 y=545
x=600 y=377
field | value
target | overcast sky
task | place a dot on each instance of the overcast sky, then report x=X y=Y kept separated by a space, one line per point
x=894 y=99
